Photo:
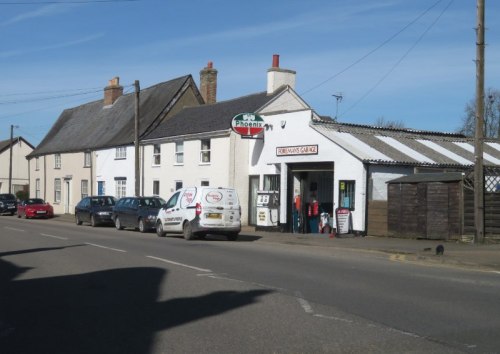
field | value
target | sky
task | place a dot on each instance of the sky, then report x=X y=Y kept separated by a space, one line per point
x=399 y=60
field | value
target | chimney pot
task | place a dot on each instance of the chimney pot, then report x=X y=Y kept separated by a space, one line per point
x=276 y=61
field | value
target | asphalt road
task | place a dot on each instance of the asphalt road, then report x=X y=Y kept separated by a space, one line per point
x=77 y=289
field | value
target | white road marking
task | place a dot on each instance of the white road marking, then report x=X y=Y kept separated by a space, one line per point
x=108 y=248
x=13 y=229
x=53 y=236
x=180 y=264
x=303 y=302
x=333 y=318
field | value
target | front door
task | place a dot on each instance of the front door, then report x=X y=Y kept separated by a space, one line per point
x=252 y=200
x=67 y=189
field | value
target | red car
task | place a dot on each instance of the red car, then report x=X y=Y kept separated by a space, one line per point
x=35 y=208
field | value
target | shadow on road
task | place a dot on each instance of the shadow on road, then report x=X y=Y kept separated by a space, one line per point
x=112 y=311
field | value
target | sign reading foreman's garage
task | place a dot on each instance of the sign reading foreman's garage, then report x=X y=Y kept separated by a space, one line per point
x=247 y=124
x=297 y=150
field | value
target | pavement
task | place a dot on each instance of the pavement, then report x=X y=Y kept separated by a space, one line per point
x=463 y=254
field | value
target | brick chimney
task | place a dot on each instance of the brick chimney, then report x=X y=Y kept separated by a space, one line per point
x=277 y=77
x=112 y=91
x=208 y=83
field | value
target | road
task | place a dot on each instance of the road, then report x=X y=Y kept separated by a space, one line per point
x=77 y=289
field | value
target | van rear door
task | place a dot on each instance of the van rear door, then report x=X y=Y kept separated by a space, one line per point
x=220 y=207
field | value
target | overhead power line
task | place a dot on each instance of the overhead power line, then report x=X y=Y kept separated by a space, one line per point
x=61 y=2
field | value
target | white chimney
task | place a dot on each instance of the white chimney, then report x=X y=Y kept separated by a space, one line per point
x=277 y=77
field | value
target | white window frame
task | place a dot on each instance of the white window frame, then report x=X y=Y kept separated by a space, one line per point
x=87 y=159
x=156 y=154
x=57 y=190
x=57 y=161
x=121 y=153
x=120 y=188
x=37 y=188
x=85 y=188
x=156 y=187
x=179 y=153
x=205 y=149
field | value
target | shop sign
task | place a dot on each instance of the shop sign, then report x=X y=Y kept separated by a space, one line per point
x=297 y=150
x=343 y=216
x=247 y=124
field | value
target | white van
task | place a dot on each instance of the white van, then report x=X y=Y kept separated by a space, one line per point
x=198 y=211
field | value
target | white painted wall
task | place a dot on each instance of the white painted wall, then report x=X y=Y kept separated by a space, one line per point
x=108 y=167
x=20 y=169
x=380 y=175
x=292 y=129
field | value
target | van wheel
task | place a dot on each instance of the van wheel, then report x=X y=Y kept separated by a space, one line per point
x=159 y=229
x=142 y=227
x=232 y=237
x=187 y=231
x=118 y=225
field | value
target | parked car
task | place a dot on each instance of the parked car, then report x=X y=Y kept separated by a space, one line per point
x=8 y=203
x=137 y=212
x=95 y=210
x=198 y=211
x=35 y=208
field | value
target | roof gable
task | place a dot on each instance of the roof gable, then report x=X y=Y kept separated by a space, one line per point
x=94 y=126
x=5 y=144
x=210 y=118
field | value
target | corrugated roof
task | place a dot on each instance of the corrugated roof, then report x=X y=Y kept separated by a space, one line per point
x=406 y=146
x=210 y=118
x=93 y=126
x=429 y=177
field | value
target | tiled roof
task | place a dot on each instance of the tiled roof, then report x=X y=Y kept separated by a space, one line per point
x=406 y=146
x=210 y=118
x=93 y=126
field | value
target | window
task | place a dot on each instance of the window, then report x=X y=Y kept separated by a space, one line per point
x=271 y=182
x=57 y=161
x=178 y=185
x=205 y=151
x=101 y=188
x=156 y=154
x=156 y=187
x=87 y=161
x=57 y=190
x=37 y=188
x=179 y=152
x=121 y=153
x=37 y=163
x=346 y=194
x=205 y=183
x=85 y=188
x=121 y=188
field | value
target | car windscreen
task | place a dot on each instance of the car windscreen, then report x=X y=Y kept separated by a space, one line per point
x=7 y=197
x=35 y=201
x=152 y=202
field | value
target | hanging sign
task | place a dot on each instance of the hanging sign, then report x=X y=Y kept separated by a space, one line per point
x=247 y=124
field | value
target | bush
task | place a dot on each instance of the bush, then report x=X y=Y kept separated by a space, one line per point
x=22 y=195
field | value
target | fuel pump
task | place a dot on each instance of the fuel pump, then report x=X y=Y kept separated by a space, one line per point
x=267 y=208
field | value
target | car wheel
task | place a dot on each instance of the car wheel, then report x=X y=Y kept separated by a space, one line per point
x=159 y=229
x=77 y=220
x=187 y=231
x=92 y=221
x=118 y=225
x=232 y=236
x=142 y=226
x=11 y=213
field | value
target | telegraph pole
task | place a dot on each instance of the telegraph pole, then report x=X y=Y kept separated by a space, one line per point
x=10 y=158
x=479 y=133
x=136 y=141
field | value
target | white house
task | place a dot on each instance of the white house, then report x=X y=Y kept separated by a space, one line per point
x=19 y=174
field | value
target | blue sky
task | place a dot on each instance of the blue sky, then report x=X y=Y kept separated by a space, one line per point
x=403 y=60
